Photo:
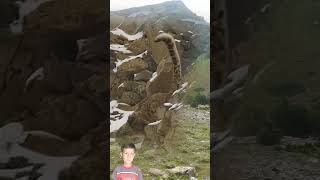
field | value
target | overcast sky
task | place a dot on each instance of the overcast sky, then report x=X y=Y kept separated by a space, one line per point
x=200 y=7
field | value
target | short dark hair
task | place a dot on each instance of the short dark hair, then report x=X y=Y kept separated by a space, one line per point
x=129 y=145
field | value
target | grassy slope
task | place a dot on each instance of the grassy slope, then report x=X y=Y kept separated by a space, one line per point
x=190 y=147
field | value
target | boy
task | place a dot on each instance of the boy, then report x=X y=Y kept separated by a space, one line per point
x=127 y=171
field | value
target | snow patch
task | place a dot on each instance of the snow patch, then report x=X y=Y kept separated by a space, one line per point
x=141 y=13
x=120 y=62
x=184 y=85
x=121 y=119
x=265 y=8
x=121 y=85
x=37 y=75
x=176 y=106
x=13 y=134
x=154 y=75
x=167 y=104
x=177 y=40
x=25 y=8
x=120 y=48
x=154 y=123
x=120 y=32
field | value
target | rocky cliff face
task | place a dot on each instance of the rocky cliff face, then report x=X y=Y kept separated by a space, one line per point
x=142 y=73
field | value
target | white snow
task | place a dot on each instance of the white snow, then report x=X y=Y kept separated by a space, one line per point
x=121 y=85
x=190 y=32
x=160 y=19
x=195 y=21
x=181 y=34
x=154 y=75
x=37 y=75
x=184 y=85
x=154 y=123
x=14 y=134
x=141 y=13
x=44 y=134
x=167 y=104
x=119 y=122
x=237 y=77
x=177 y=40
x=175 y=106
x=160 y=31
x=120 y=62
x=25 y=7
x=120 y=32
x=265 y=8
x=120 y=48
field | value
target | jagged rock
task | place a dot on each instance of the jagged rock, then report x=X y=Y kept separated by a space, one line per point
x=57 y=76
x=132 y=86
x=146 y=111
x=88 y=167
x=86 y=17
x=130 y=98
x=163 y=81
x=143 y=76
x=126 y=107
x=131 y=67
x=66 y=116
x=92 y=49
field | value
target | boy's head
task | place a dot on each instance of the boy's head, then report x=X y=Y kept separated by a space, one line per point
x=128 y=153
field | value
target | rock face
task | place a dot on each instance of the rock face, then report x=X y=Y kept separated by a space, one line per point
x=142 y=71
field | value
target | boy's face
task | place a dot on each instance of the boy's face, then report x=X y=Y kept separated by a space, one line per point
x=128 y=156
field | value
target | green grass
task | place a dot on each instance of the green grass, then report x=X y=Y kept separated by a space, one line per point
x=190 y=147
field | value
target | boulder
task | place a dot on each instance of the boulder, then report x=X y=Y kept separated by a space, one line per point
x=162 y=80
x=143 y=76
x=131 y=67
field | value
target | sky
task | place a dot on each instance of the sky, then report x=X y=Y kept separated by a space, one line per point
x=200 y=7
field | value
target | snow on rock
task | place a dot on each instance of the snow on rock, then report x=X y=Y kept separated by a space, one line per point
x=237 y=77
x=13 y=134
x=167 y=104
x=120 y=62
x=176 y=106
x=121 y=85
x=37 y=75
x=183 y=87
x=265 y=8
x=44 y=134
x=190 y=32
x=120 y=32
x=154 y=123
x=141 y=13
x=154 y=75
x=120 y=48
x=177 y=40
x=159 y=20
x=120 y=120
x=25 y=8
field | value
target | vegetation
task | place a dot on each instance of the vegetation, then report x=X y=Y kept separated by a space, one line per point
x=190 y=147
x=199 y=76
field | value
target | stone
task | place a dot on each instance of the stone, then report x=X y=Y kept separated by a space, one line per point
x=183 y=170
x=163 y=82
x=143 y=76
x=158 y=172
x=131 y=67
